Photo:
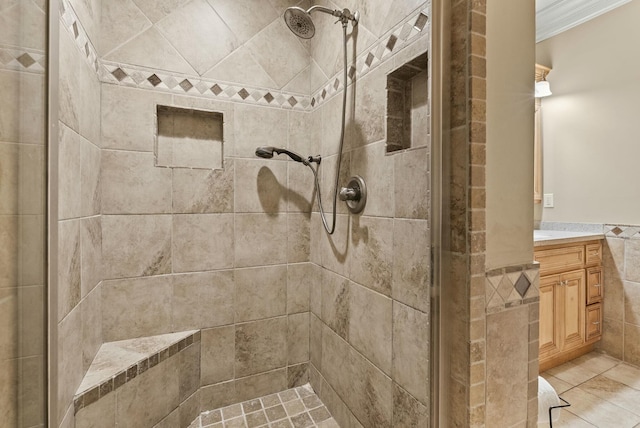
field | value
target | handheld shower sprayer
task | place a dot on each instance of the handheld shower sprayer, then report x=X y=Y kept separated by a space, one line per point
x=266 y=152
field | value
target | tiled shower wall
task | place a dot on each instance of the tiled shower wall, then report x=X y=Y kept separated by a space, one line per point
x=22 y=213
x=621 y=330
x=370 y=307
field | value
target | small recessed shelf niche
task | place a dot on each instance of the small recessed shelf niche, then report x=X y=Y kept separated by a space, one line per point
x=188 y=138
x=408 y=105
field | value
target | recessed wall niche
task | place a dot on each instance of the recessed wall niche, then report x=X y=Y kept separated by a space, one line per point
x=188 y=138
x=408 y=105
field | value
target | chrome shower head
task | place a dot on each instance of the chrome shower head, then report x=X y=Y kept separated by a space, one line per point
x=299 y=22
x=266 y=152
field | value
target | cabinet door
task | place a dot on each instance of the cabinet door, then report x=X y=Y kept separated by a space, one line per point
x=549 y=322
x=594 y=322
x=573 y=308
x=595 y=287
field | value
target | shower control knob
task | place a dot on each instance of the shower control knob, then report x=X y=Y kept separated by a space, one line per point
x=354 y=194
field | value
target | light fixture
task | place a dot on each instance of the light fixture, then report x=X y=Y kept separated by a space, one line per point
x=542 y=86
x=542 y=89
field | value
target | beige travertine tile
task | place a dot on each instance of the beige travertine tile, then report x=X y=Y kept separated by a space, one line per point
x=69 y=180
x=249 y=127
x=158 y=9
x=9 y=178
x=632 y=344
x=315 y=290
x=372 y=253
x=625 y=374
x=336 y=362
x=199 y=35
x=506 y=355
x=202 y=242
x=331 y=127
x=315 y=341
x=164 y=56
x=613 y=304
x=129 y=125
x=370 y=393
x=148 y=398
x=89 y=13
x=9 y=318
x=335 y=250
x=172 y=420
x=631 y=302
x=597 y=363
x=101 y=414
x=411 y=259
x=300 y=278
x=261 y=346
x=91 y=253
x=218 y=395
x=411 y=351
x=407 y=411
x=559 y=385
x=298 y=374
x=327 y=182
x=299 y=237
x=572 y=373
x=204 y=191
x=70 y=370
x=26 y=122
x=202 y=300
x=261 y=186
x=189 y=410
x=631 y=254
x=597 y=411
x=9 y=255
x=260 y=239
x=218 y=355
x=613 y=392
x=241 y=67
x=68 y=266
x=612 y=337
x=282 y=61
x=30 y=325
x=336 y=303
x=136 y=307
x=91 y=187
x=119 y=22
x=370 y=106
x=148 y=188
x=371 y=325
x=137 y=245
x=91 y=313
x=298 y=338
x=189 y=370
x=412 y=184
x=260 y=293
x=261 y=384
x=243 y=18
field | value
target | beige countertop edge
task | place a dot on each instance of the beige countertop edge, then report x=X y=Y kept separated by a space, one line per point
x=559 y=237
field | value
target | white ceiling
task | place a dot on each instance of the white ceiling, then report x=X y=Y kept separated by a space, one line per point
x=555 y=16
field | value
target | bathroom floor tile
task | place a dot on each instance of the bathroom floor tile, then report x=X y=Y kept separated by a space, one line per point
x=572 y=373
x=597 y=411
x=294 y=408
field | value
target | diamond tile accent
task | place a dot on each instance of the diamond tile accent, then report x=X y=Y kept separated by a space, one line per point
x=216 y=89
x=26 y=60
x=369 y=59
x=336 y=84
x=243 y=93
x=268 y=97
x=154 y=80
x=119 y=74
x=522 y=285
x=324 y=93
x=392 y=42
x=616 y=231
x=292 y=101
x=421 y=22
x=76 y=33
x=186 y=85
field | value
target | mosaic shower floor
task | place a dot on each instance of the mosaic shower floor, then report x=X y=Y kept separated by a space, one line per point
x=294 y=408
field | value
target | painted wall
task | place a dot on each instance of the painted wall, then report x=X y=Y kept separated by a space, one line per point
x=510 y=110
x=590 y=122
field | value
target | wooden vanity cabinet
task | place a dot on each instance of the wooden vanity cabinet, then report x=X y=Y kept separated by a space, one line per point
x=571 y=294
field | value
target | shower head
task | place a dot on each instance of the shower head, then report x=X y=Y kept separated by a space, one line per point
x=266 y=152
x=299 y=20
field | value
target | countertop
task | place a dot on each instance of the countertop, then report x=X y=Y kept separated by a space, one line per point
x=555 y=237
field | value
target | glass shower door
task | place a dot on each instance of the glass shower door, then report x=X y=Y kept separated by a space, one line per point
x=23 y=35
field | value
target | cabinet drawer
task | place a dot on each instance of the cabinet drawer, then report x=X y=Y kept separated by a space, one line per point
x=594 y=322
x=560 y=259
x=594 y=254
x=595 y=285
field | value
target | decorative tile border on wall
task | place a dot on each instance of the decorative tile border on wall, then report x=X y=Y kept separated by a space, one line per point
x=69 y=20
x=150 y=79
x=622 y=231
x=512 y=286
x=19 y=59
x=126 y=374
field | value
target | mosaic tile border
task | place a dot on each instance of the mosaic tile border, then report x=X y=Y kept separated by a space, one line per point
x=621 y=231
x=511 y=286
x=150 y=79
x=19 y=59
x=71 y=22
x=128 y=374
x=295 y=407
